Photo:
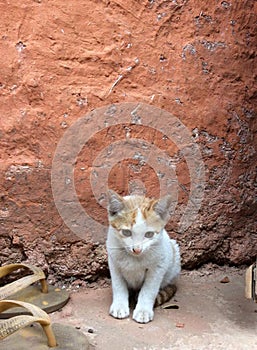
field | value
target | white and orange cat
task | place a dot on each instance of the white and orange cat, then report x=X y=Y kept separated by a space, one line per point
x=141 y=256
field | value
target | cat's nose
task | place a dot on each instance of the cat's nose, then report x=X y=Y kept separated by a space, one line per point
x=137 y=251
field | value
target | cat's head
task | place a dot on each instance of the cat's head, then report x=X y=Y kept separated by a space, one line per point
x=137 y=220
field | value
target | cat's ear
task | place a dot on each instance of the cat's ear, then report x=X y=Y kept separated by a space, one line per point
x=162 y=206
x=115 y=202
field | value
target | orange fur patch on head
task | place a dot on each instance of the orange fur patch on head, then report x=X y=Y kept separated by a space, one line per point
x=126 y=218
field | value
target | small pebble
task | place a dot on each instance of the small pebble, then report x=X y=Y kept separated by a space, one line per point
x=225 y=280
x=180 y=325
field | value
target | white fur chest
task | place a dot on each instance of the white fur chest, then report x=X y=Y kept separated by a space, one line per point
x=132 y=268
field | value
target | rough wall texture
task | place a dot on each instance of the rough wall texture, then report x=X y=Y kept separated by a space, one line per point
x=60 y=60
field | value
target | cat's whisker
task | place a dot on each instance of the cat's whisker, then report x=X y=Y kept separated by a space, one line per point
x=112 y=247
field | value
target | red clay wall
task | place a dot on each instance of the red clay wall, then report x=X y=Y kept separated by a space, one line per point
x=60 y=60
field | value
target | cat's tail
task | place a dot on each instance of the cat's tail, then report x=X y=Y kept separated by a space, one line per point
x=165 y=294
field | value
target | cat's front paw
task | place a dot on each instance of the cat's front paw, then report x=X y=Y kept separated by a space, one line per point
x=119 y=310
x=143 y=315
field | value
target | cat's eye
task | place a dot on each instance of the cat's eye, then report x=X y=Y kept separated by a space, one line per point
x=126 y=233
x=149 y=234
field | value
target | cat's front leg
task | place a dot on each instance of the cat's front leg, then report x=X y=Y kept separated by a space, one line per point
x=120 y=303
x=143 y=312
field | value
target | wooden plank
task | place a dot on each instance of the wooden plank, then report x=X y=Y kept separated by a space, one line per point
x=249 y=282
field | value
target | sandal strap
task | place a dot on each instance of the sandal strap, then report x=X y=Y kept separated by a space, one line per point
x=16 y=323
x=22 y=283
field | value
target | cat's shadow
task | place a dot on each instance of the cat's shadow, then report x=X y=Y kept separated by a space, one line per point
x=133 y=297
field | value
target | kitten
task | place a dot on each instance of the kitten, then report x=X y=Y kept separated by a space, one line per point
x=141 y=256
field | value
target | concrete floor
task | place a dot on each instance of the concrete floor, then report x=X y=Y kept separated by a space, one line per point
x=211 y=315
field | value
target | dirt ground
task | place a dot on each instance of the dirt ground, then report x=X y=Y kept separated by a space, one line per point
x=213 y=314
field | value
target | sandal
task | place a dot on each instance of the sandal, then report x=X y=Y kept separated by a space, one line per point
x=21 y=332
x=48 y=298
